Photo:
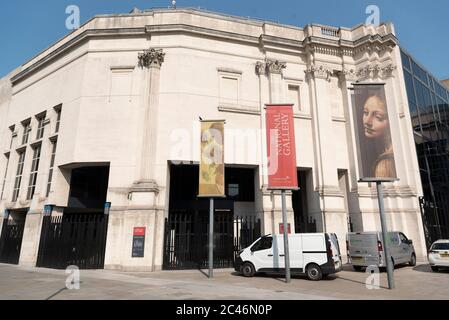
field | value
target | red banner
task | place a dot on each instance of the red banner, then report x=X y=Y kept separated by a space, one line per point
x=281 y=147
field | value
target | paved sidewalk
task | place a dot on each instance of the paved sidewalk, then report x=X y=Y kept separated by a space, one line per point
x=42 y=284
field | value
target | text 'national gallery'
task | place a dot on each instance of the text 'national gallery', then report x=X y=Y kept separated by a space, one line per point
x=100 y=139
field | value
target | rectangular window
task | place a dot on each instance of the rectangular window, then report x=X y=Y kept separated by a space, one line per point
x=405 y=60
x=4 y=177
x=409 y=86
x=229 y=86
x=12 y=136
x=294 y=97
x=52 y=164
x=18 y=179
x=58 y=119
x=40 y=127
x=26 y=132
x=34 y=171
x=420 y=73
x=230 y=89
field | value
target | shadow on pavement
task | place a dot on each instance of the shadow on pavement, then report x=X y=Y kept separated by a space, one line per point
x=426 y=268
x=206 y=274
x=56 y=293
x=281 y=278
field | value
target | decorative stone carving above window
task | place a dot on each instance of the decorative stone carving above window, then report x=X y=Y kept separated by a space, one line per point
x=151 y=58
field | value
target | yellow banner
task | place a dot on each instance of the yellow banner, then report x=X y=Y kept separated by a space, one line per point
x=212 y=181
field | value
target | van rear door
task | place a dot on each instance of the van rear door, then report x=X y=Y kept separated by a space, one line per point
x=363 y=249
x=335 y=246
x=314 y=248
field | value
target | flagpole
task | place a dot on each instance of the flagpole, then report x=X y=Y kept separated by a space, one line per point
x=211 y=239
x=286 y=249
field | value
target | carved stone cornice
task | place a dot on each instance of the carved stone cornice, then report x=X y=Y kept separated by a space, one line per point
x=320 y=72
x=375 y=48
x=151 y=58
x=375 y=71
x=332 y=50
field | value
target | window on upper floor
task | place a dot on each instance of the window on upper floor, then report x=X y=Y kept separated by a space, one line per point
x=52 y=164
x=40 y=126
x=293 y=96
x=58 y=118
x=19 y=173
x=4 y=176
x=33 y=173
x=12 y=128
x=230 y=87
x=26 y=131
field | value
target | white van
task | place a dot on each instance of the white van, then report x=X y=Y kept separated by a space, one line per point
x=313 y=254
x=367 y=249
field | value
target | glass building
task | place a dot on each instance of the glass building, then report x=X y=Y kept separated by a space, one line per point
x=429 y=108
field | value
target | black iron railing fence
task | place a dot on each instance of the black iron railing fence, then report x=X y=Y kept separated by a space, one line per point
x=186 y=238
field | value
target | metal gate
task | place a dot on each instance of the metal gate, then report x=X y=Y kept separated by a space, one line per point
x=186 y=238
x=11 y=240
x=73 y=239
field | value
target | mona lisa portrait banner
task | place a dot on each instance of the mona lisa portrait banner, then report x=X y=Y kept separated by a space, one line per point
x=281 y=148
x=212 y=169
x=373 y=136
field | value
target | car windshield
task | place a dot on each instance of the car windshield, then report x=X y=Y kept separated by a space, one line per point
x=440 y=246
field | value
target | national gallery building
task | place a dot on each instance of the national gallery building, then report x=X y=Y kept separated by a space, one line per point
x=100 y=139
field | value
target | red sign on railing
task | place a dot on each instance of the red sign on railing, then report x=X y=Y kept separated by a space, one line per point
x=281 y=228
x=139 y=231
x=281 y=148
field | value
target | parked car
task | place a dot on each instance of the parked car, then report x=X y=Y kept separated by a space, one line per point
x=316 y=255
x=439 y=255
x=367 y=249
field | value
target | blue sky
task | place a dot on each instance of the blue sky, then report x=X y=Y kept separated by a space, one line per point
x=29 y=26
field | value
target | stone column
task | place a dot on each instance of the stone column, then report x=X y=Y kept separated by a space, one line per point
x=325 y=170
x=142 y=209
x=274 y=71
x=152 y=61
x=271 y=201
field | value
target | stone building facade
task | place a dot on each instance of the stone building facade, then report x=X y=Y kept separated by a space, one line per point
x=126 y=92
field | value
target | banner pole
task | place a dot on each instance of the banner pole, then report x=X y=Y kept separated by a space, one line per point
x=388 y=261
x=286 y=250
x=211 y=239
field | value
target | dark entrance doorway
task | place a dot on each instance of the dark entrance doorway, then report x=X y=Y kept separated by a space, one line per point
x=303 y=223
x=11 y=236
x=186 y=228
x=78 y=236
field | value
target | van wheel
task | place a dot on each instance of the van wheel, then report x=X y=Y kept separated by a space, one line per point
x=412 y=262
x=357 y=268
x=314 y=272
x=248 y=270
x=434 y=269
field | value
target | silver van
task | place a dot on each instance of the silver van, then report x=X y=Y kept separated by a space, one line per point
x=367 y=249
